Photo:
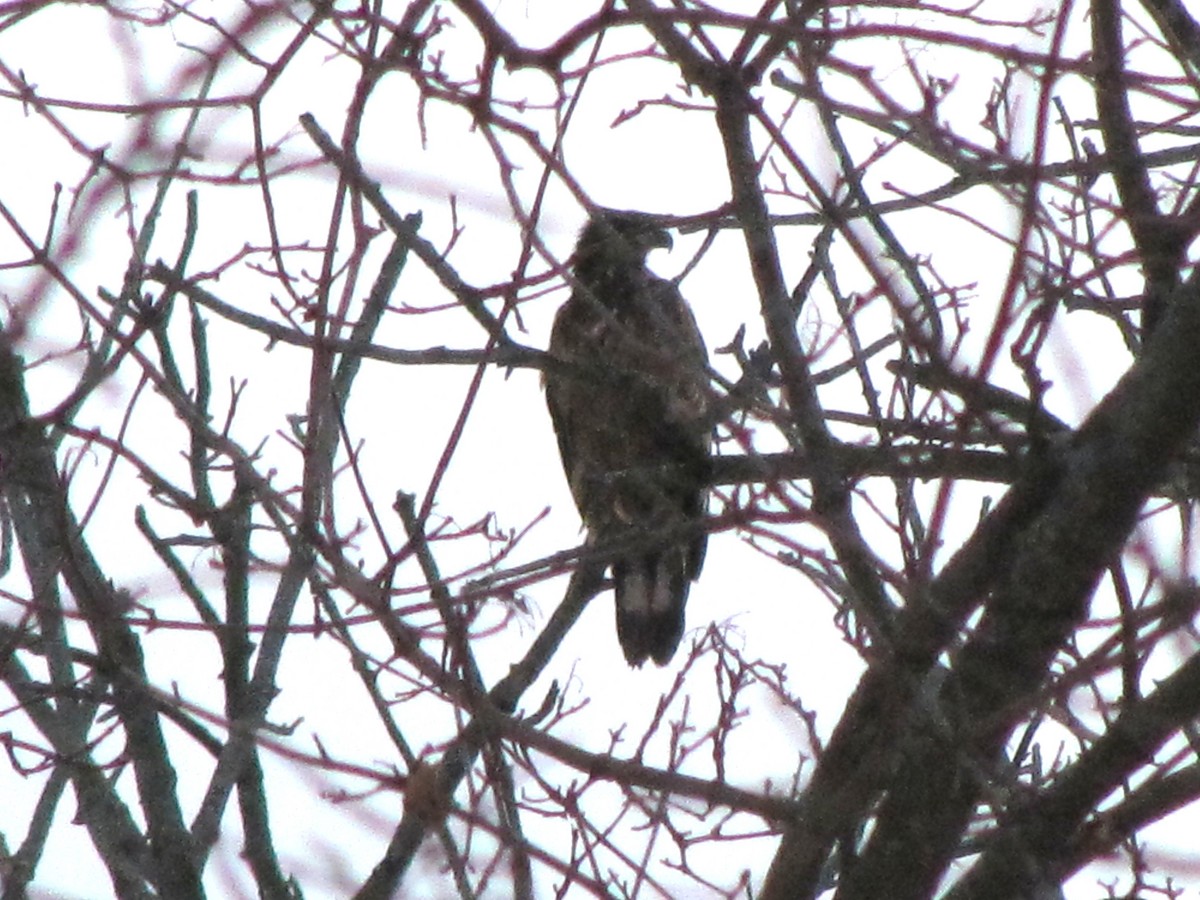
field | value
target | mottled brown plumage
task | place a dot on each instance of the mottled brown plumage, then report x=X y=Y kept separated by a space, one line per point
x=632 y=417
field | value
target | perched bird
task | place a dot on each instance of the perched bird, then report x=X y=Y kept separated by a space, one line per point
x=631 y=410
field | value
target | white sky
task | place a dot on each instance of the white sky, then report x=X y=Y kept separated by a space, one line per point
x=665 y=160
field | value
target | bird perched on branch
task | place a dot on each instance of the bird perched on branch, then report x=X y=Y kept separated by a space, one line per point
x=631 y=410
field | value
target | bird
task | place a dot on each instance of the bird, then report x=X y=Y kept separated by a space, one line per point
x=628 y=396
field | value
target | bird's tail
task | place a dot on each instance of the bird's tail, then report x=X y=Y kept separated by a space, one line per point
x=651 y=591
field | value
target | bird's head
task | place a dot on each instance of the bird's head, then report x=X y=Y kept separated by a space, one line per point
x=621 y=236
